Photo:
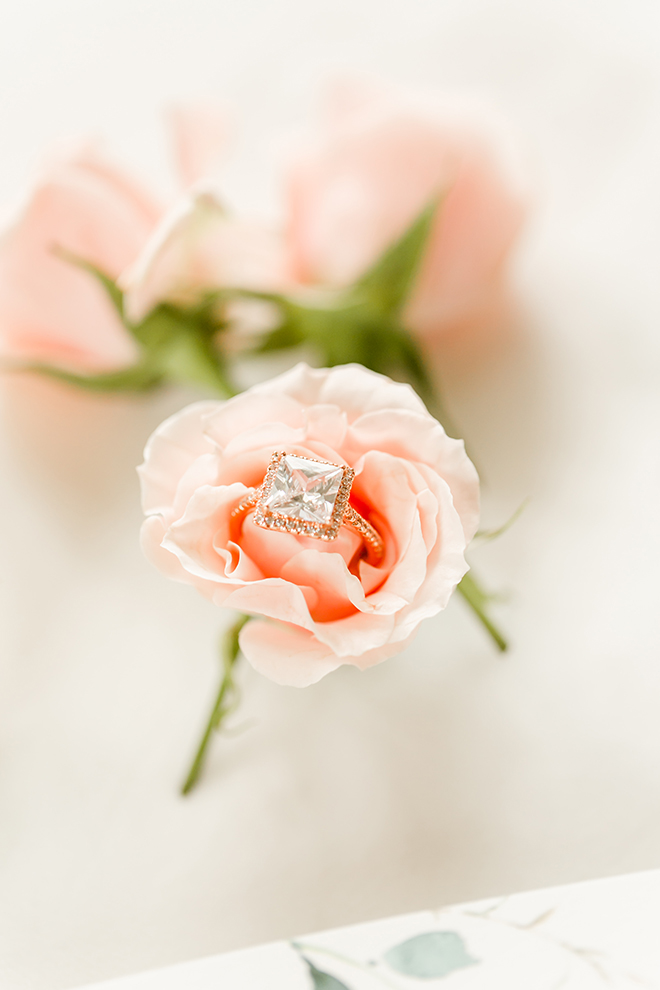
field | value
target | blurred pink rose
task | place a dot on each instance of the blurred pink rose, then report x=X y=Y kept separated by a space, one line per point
x=201 y=134
x=50 y=310
x=196 y=247
x=320 y=604
x=382 y=156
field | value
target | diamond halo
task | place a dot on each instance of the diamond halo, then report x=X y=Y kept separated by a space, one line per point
x=304 y=495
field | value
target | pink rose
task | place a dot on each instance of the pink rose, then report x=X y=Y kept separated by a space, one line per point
x=198 y=247
x=381 y=158
x=50 y=310
x=319 y=604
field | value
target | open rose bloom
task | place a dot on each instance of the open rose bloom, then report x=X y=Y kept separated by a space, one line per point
x=315 y=605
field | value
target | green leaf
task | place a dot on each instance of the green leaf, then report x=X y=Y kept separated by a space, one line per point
x=188 y=357
x=323 y=981
x=138 y=378
x=287 y=335
x=180 y=343
x=159 y=327
x=389 y=281
x=177 y=343
x=430 y=956
x=115 y=294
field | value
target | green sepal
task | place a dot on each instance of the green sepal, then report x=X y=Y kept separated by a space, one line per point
x=177 y=343
x=113 y=291
x=180 y=343
x=389 y=281
x=362 y=323
x=351 y=331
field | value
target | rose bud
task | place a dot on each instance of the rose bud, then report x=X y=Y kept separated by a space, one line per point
x=381 y=157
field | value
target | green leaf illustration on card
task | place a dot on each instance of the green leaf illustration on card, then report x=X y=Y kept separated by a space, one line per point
x=323 y=981
x=430 y=956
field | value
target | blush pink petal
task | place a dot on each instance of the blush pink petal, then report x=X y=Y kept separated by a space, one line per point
x=380 y=158
x=201 y=134
x=274 y=598
x=294 y=657
x=446 y=565
x=352 y=388
x=249 y=411
x=354 y=635
x=198 y=247
x=170 y=451
x=286 y=655
x=202 y=538
x=152 y=535
x=278 y=422
x=50 y=310
x=268 y=437
x=274 y=550
x=420 y=438
x=338 y=592
x=389 y=484
x=326 y=424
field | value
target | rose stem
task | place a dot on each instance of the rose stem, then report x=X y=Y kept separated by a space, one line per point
x=222 y=707
x=476 y=599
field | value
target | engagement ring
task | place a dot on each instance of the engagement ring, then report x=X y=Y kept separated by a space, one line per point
x=308 y=497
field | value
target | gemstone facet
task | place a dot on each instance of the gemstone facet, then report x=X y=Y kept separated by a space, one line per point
x=303 y=495
x=304 y=489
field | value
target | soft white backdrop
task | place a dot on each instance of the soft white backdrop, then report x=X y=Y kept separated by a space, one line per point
x=446 y=773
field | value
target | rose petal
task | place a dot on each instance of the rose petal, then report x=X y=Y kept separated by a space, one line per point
x=228 y=422
x=202 y=538
x=383 y=155
x=339 y=593
x=413 y=437
x=286 y=654
x=199 y=247
x=50 y=309
x=200 y=137
x=273 y=549
x=351 y=387
x=169 y=453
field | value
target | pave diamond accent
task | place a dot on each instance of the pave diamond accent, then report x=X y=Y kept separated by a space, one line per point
x=304 y=489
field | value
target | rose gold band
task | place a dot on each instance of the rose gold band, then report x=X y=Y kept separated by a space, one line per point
x=351 y=518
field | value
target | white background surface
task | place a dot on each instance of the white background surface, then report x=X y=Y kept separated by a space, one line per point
x=446 y=773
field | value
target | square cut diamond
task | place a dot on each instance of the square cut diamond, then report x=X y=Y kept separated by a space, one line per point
x=304 y=489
